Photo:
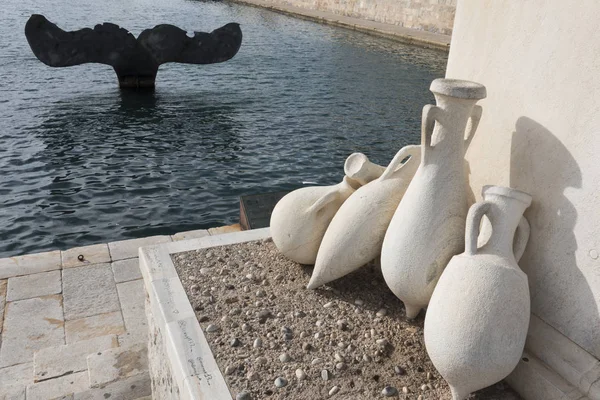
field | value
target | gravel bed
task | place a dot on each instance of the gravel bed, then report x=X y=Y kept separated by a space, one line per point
x=274 y=339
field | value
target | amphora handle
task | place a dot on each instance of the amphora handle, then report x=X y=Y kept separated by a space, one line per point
x=521 y=238
x=473 y=124
x=324 y=200
x=476 y=212
x=396 y=164
x=431 y=114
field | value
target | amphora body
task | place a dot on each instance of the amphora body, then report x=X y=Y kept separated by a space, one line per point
x=427 y=228
x=355 y=234
x=477 y=321
x=300 y=219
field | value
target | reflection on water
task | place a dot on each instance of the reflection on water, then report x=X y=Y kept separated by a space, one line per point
x=83 y=162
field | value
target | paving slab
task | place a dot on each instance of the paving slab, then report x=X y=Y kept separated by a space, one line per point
x=129 y=248
x=29 y=264
x=58 y=387
x=34 y=285
x=129 y=339
x=126 y=270
x=3 y=284
x=117 y=364
x=94 y=254
x=13 y=393
x=17 y=376
x=91 y=327
x=53 y=362
x=89 y=291
x=225 y=229
x=132 y=296
x=190 y=235
x=31 y=325
x=136 y=387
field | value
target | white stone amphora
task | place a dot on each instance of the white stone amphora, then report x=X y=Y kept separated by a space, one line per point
x=300 y=219
x=478 y=316
x=355 y=234
x=429 y=224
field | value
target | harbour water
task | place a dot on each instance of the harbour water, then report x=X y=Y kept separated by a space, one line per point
x=82 y=162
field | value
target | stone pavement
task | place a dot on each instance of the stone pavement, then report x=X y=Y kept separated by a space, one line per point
x=72 y=323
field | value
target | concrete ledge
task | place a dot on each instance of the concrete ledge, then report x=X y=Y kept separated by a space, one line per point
x=533 y=380
x=191 y=367
x=395 y=32
x=563 y=359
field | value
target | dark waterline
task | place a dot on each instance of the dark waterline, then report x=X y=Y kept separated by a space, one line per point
x=82 y=162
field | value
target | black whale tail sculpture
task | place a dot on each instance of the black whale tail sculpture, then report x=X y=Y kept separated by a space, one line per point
x=135 y=61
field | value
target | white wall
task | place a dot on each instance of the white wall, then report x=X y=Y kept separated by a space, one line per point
x=427 y=15
x=540 y=132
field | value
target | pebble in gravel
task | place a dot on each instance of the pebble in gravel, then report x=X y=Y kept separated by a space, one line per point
x=389 y=391
x=261 y=360
x=399 y=370
x=243 y=396
x=212 y=328
x=300 y=374
x=285 y=329
x=340 y=366
x=280 y=382
x=285 y=357
x=382 y=312
x=235 y=342
x=230 y=370
x=319 y=335
x=328 y=305
x=424 y=387
x=316 y=361
x=258 y=343
x=334 y=390
x=359 y=302
x=325 y=375
x=404 y=390
x=246 y=328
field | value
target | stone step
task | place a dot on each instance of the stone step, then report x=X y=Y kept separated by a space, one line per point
x=52 y=362
x=117 y=364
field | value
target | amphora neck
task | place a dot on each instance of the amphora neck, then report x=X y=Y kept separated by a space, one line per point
x=455 y=100
x=506 y=209
x=449 y=133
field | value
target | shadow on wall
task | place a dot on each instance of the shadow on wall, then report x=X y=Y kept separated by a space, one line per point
x=542 y=166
